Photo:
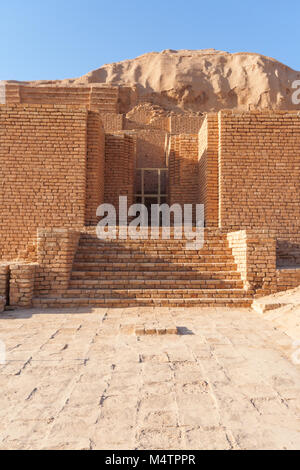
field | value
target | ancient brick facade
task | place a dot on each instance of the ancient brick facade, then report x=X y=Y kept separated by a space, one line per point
x=95 y=167
x=64 y=151
x=43 y=172
x=208 y=182
x=183 y=169
x=259 y=172
x=150 y=149
x=119 y=168
x=103 y=99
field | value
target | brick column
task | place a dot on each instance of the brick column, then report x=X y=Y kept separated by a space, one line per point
x=4 y=273
x=22 y=278
x=255 y=256
x=55 y=253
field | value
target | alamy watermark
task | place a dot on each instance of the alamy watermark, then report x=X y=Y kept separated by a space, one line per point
x=296 y=94
x=2 y=353
x=2 y=93
x=139 y=223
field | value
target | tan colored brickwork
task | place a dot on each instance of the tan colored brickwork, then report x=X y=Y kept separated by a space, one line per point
x=288 y=252
x=119 y=168
x=185 y=124
x=58 y=166
x=144 y=117
x=208 y=169
x=150 y=149
x=104 y=99
x=173 y=160
x=260 y=172
x=254 y=253
x=287 y=278
x=55 y=253
x=22 y=279
x=96 y=98
x=183 y=178
x=95 y=167
x=4 y=280
x=43 y=172
x=70 y=96
x=255 y=256
x=112 y=122
x=202 y=168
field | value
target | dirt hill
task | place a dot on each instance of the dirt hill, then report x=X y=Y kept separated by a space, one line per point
x=200 y=81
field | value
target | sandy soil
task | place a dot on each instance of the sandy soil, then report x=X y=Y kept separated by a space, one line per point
x=200 y=80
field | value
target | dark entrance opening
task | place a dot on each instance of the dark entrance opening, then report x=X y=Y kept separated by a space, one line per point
x=151 y=187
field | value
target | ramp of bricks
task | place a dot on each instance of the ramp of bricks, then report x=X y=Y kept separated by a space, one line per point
x=153 y=273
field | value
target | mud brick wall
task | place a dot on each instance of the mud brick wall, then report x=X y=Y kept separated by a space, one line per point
x=208 y=170
x=255 y=255
x=150 y=149
x=95 y=98
x=287 y=278
x=143 y=118
x=43 y=172
x=12 y=94
x=112 y=122
x=22 y=278
x=30 y=94
x=183 y=177
x=259 y=164
x=104 y=99
x=288 y=253
x=202 y=165
x=95 y=167
x=119 y=168
x=185 y=124
x=56 y=249
x=69 y=96
x=4 y=280
x=238 y=243
x=173 y=159
x=161 y=122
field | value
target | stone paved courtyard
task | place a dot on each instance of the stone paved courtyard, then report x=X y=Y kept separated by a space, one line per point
x=81 y=379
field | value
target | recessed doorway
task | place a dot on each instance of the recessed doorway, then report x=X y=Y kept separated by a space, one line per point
x=151 y=187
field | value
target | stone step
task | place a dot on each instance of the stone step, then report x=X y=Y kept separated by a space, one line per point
x=181 y=275
x=155 y=293
x=180 y=258
x=154 y=252
x=209 y=234
x=155 y=284
x=55 y=302
x=144 y=266
x=145 y=243
x=148 y=240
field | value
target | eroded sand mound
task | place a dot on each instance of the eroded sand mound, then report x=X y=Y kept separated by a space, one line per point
x=200 y=81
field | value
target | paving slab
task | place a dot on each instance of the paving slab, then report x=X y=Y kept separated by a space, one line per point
x=218 y=378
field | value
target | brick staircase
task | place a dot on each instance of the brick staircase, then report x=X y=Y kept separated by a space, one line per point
x=153 y=273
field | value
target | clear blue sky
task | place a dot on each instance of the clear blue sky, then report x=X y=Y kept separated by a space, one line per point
x=57 y=39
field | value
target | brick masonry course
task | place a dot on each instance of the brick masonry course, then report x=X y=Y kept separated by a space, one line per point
x=65 y=151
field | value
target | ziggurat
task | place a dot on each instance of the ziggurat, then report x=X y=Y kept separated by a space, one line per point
x=66 y=150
